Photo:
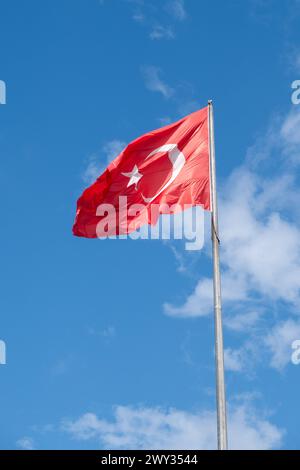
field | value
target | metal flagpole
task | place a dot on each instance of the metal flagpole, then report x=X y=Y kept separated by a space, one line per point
x=219 y=354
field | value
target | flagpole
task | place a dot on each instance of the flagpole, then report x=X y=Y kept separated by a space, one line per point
x=219 y=353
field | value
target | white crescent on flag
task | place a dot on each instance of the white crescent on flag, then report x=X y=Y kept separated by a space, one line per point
x=176 y=158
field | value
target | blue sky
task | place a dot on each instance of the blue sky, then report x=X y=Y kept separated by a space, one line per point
x=110 y=343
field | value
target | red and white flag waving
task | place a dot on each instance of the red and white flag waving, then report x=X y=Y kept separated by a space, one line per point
x=163 y=168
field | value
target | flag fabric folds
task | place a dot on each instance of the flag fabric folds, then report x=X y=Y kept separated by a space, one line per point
x=165 y=168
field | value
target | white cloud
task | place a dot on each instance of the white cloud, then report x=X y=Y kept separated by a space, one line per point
x=199 y=303
x=62 y=365
x=233 y=359
x=242 y=321
x=176 y=8
x=157 y=428
x=138 y=17
x=107 y=333
x=97 y=164
x=153 y=82
x=113 y=148
x=246 y=357
x=161 y=32
x=25 y=443
x=282 y=139
x=159 y=19
x=93 y=170
x=279 y=341
x=259 y=247
x=260 y=242
x=290 y=135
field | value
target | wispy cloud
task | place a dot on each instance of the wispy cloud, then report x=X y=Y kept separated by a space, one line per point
x=138 y=17
x=161 y=32
x=97 y=163
x=290 y=135
x=246 y=357
x=160 y=19
x=199 y=302
x=107 y=333
x=158 y=428
x=62 y=365
x=181 y=96
x=233 y=359
x=243 y=321
x=25 y=443
x=154 y=82
x=279 y=341
x=93 y=170
x=176 y=8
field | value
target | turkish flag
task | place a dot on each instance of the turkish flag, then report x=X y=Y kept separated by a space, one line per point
x=165 y=168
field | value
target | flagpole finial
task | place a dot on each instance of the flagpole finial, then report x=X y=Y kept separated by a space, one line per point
x=210 y=101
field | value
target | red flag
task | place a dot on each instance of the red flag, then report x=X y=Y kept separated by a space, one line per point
x=163 y=168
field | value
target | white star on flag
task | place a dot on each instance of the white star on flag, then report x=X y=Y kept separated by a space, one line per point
x=134 y=176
